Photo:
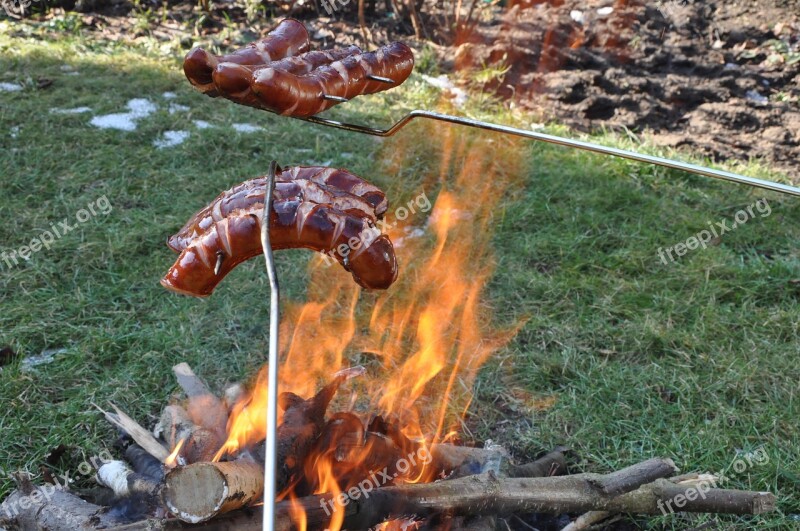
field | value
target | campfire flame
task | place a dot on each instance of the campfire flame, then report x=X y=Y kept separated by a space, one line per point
x=422 y=341
x=173 y=458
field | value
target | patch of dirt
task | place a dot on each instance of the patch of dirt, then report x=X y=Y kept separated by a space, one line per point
x=721 y=78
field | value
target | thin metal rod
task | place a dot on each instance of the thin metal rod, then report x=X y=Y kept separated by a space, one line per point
x=271 y=454
x=381 y=79
x=567 y=142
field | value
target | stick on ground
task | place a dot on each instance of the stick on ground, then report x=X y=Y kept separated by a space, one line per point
x=142 y=437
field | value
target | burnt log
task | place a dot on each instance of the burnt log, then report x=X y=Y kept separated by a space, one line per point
x=303 y=420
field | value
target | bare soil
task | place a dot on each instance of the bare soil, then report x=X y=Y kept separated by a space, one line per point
x=720 y=78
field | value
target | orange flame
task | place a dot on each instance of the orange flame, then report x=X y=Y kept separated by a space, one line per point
x=422 y=341
x=172 y=459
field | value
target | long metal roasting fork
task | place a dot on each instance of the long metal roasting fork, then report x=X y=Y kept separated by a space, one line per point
x=270 y=466
x=552 y=139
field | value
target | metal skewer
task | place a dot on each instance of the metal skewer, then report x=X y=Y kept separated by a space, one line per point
x=567 y=142
x=271 y=454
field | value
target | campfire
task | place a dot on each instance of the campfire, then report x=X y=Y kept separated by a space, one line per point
x=372 y=399
x=374 y=386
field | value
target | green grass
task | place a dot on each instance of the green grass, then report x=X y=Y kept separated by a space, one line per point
x=694 y=360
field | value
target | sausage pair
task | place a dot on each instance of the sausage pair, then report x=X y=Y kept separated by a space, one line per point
x=278 y=73
x=323 y=209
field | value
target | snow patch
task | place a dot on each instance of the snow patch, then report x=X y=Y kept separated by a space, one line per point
x=10 y=87
x=126 y=121
x=410 y=233
x=120 y=121
x=76 y=110
x=141 y=107
x=247 y=128
x=754 y=96
x=576 y=15
x=169 y=95
x=171 y=139
x=202 y=124
x=47 y=356
x=177 y=107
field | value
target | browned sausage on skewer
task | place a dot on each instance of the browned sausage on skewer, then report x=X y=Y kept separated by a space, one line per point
x=302 y=95
x=228 y=232
x=287 y=39
x=318 y=184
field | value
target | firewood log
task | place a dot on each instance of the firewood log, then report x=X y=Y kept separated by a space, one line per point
x=232 y=395
x=302 y=423
x=142 y=437
x=486 y=495
x=199 y=444
x=204 y=408
x=123 y=481
x=33 y=508
x=144 y=463
x=198 y=492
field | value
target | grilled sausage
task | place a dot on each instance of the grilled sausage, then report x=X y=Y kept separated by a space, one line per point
x=291 y=92
x=288 y=38
x=226 y=233
x=339 y=188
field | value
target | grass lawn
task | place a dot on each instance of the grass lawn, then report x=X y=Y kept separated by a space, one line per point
x=620 y=356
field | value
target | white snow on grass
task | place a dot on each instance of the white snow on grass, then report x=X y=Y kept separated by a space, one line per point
x=141 y=107
x=14 y=131
x=76 y=110
x=169 y=95
x=171 y=139
x=47 y=356
x=10 y=87
x=247 y=128
x=125 y=121
x=177 y=107
x=202 y=124
x=120 y=121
